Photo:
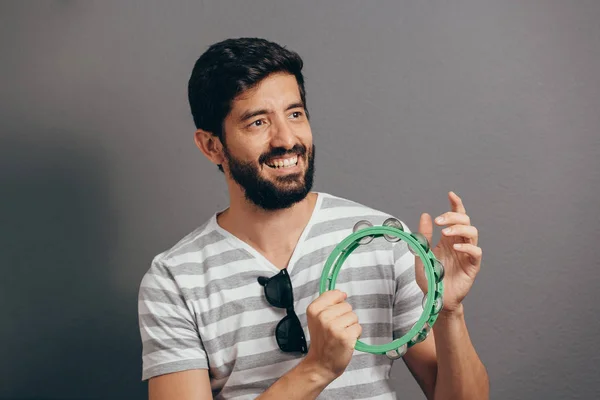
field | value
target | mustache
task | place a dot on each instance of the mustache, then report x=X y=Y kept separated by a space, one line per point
x=298 y=149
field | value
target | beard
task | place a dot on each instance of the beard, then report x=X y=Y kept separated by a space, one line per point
x=281 y=193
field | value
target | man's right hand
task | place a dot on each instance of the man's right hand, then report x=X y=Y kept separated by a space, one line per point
x=334 y=330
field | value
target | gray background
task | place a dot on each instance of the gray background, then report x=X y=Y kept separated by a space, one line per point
x=499 y=101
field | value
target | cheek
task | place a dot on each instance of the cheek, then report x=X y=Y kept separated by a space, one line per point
x=250 y=154
x=306 y=138
x=246 y=149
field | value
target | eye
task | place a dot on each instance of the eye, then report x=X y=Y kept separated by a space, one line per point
x=258 y=122
x=296 y=114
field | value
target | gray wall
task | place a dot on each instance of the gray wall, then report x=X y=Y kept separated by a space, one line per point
x=499 y=101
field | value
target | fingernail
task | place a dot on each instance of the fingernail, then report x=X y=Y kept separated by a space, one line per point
x=447 y=230
x=439 y=220
x=457 y=245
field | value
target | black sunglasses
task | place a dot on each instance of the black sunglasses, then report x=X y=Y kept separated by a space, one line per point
x=289 y=333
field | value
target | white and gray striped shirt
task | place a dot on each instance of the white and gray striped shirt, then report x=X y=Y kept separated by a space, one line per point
x=200 y=305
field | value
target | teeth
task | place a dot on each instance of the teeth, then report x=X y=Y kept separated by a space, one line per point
x=286 y=163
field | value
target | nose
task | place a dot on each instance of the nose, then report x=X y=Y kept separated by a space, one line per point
x=282 y=134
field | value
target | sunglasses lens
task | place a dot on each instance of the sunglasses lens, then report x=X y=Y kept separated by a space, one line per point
x=290 y=336
x=279 y=291
x=289 y=333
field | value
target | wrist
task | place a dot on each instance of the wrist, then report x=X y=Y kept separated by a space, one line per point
x=315 y=373
x=457 y=313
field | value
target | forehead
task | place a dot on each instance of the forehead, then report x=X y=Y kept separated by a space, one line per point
x=275 y=91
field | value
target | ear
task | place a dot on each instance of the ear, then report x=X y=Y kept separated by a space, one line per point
x=210 y=145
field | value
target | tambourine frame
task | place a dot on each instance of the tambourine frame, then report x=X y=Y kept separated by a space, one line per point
x=435 y=287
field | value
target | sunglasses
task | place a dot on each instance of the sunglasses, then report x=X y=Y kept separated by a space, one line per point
x=289 y=333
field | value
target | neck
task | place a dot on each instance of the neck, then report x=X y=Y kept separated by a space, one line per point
x=270 y=232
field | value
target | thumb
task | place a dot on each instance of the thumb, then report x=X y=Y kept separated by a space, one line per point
x=426 y=226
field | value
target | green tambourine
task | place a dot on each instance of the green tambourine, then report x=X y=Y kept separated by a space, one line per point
x=393 y=231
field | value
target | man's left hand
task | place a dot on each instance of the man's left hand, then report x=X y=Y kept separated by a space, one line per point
x=457 y=250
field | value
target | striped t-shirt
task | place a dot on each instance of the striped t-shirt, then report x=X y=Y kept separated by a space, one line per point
x=201 y=306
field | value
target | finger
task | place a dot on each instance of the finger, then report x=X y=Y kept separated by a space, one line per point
x=456 y=203
x=335 y=311
x=354 y=332
x=467 y=232
x=475 y=252
x=325 y=300
x=425 y=226
x=345 y=320
x=451 y=218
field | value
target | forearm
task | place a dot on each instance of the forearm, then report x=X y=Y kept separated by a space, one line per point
x=461 y=374
x=302 y=382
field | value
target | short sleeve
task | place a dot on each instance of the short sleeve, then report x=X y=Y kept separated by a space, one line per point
x=170 y=337
x=409 y=296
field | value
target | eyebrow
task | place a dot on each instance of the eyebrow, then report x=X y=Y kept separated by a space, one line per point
x=250 y=114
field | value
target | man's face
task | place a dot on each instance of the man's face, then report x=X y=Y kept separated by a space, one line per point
x=268 y=143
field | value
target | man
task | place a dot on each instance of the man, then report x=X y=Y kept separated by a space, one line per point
x=233 y=310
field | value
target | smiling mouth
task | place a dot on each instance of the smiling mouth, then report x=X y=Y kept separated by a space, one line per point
x=283 y=163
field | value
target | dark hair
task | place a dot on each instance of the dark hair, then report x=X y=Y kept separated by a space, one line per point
x=231 y=67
